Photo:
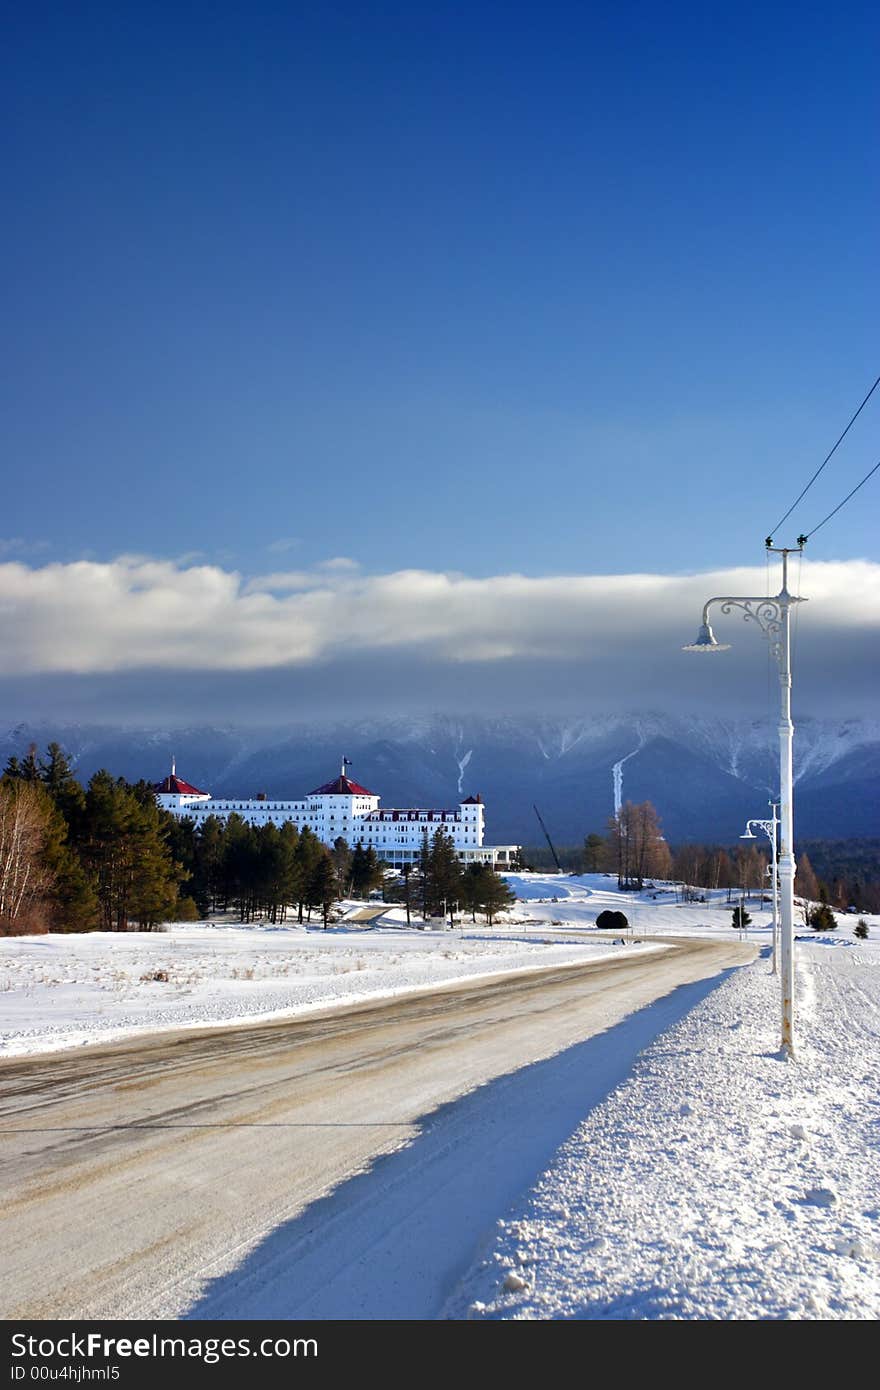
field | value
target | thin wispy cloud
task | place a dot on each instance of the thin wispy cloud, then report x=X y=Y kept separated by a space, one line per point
x=17 y=545
x=283 y=545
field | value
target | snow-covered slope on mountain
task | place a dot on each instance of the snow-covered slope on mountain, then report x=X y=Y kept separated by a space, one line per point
x=704 y=775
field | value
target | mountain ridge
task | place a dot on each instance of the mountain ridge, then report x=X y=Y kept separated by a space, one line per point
x=706 y=776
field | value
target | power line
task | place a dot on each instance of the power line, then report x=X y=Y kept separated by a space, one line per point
x=843 y=503
x=825 y=460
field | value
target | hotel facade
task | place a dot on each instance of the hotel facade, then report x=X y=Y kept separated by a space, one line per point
x=344 y=808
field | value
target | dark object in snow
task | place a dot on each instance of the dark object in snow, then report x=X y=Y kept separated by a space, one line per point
x=610 y=920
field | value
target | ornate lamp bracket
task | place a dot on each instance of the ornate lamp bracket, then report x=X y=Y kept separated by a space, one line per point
x=766 y=612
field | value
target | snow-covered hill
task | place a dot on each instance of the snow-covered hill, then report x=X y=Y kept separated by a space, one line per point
x=704 y=775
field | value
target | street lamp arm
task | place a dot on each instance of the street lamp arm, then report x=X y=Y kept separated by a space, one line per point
x=768 y=613
x=768 y=826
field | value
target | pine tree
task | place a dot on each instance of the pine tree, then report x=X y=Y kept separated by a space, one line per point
x=268 y=870
x=342 y=858
x=595 y=851
x=444 y=874
x=741 y=919
x=124 y=848
x=309 y=851
x=860 y=930
x=323 y=889
x=495 y=894
x=206 y=884
x=469 y=894
x=423 y=867
x=238 y=869
x=290 y=890
x=821 y=918
x=57 y=777
x=406 y=875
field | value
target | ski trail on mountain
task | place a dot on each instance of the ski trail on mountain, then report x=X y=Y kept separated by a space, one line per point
x=617 y=773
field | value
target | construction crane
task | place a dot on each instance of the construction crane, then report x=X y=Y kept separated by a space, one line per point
x=547 y=838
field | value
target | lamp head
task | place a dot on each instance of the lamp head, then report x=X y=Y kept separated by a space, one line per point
x=706 y=642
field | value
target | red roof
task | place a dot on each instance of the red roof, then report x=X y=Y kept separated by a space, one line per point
x=341 y=786
x=175 y=786
x=472 y=801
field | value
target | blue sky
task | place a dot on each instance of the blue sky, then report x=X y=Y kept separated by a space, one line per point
x=485 y=287
x=550 y=289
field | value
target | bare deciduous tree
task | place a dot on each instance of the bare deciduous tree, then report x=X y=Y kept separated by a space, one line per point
x=25 y=878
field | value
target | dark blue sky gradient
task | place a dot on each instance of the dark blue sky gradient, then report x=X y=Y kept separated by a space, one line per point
x=487 y=287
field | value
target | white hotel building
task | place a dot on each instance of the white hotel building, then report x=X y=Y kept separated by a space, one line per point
x=344 y=808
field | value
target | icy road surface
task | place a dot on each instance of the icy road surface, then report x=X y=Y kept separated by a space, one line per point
x=180 y=1173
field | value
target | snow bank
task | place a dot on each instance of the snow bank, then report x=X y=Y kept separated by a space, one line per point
x=718 y=1182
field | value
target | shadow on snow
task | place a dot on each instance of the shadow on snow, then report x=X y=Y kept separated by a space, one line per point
x=393 y=1242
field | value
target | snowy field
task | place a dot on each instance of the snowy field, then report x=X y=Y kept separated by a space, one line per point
x=717 y=1181
x=578 y=900
x=64 y=991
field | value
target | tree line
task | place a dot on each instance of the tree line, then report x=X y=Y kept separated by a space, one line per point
x=847 y=873
x=105 y=857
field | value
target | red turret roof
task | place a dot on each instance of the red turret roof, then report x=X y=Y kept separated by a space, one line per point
x=175 y=786
x=341 y=786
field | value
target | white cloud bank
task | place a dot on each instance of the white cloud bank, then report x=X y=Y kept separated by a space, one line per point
x=141 y=614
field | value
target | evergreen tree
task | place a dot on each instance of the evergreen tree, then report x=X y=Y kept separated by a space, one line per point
x=290 y=888
x=406 y=876
x=124 y=848
x=443 y=875
x=495 y=894
x=741 y=919
x=860 y=930
x=423 y=868
x=481 y=889
x=342 y=858
x=595 y=851
x=309 y=851
x=821 y=918
x=73 y=902
x=269 y=870
x=238 y=865
x=57 y=777
x=469 y=894
x=323 y=888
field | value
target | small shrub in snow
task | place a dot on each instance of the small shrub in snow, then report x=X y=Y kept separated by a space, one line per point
x=860 y=929
x=741 y=919
x=610 y=920
x=821 y=918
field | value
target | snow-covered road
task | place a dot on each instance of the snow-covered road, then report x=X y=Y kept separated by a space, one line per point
x=184 y=1168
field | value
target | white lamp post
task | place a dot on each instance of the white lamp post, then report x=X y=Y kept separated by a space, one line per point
x=773 y=616
x=769 y=828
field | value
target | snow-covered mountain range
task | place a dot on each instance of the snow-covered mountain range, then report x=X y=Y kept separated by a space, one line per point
x=706 y=776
